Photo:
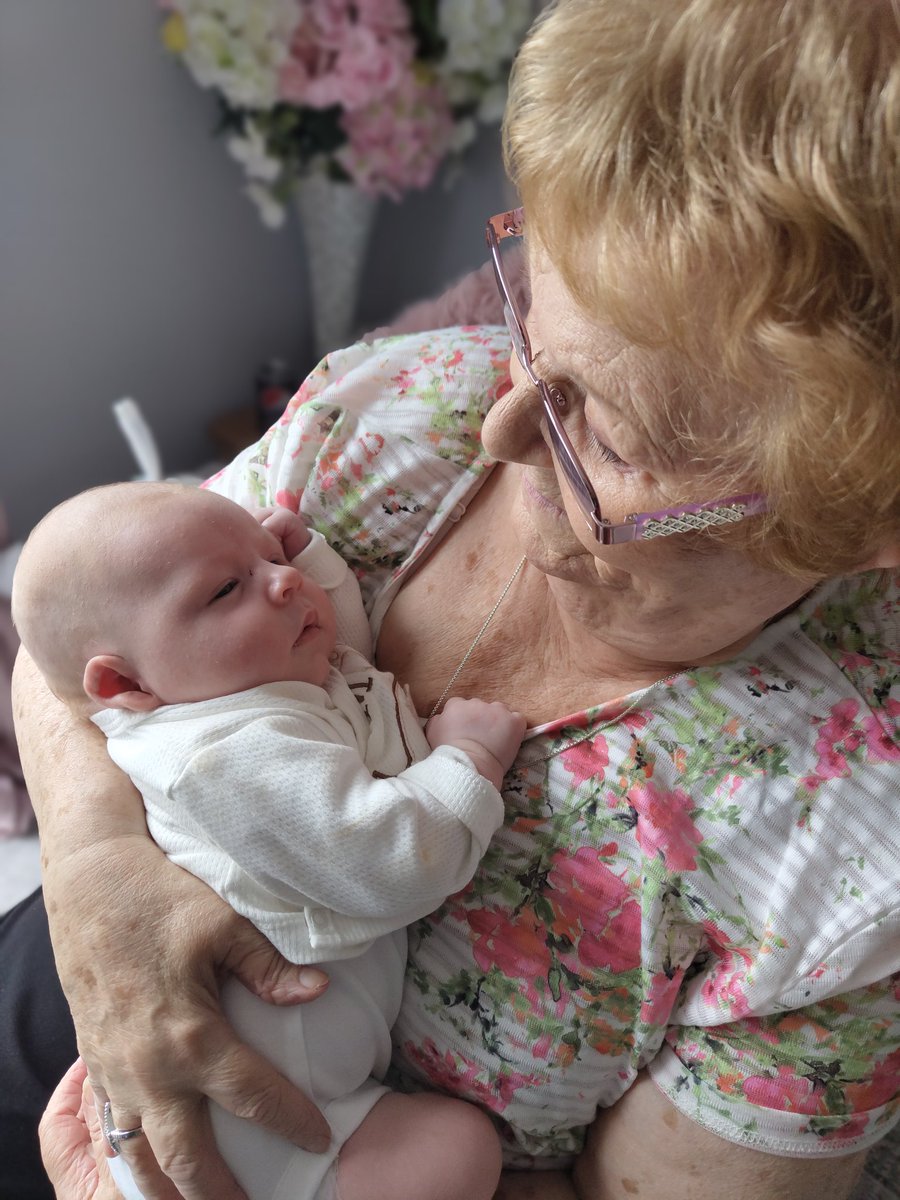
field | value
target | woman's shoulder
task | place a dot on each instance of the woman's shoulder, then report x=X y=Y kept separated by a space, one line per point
x=855 y=615
x=380 y=443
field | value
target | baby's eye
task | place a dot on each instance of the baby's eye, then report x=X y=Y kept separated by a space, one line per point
x=224 y=590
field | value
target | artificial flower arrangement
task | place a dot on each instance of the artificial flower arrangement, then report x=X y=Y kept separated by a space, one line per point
x=376 y=93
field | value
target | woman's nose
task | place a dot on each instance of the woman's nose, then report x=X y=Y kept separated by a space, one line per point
x=512 y=429
x=283 y=582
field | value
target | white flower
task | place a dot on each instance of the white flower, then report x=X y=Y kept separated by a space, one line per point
x=271 y=212
x=250 y=151
x=482 y=35
x=238 y=46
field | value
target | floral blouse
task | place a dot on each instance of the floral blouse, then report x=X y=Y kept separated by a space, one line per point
x=700 y=879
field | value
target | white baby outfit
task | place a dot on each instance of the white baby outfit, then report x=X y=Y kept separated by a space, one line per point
x=322 y=815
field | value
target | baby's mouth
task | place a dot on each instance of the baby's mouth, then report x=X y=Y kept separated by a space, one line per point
x=310 y=624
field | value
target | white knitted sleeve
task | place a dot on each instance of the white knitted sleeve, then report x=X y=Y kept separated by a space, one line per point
x=307 y=820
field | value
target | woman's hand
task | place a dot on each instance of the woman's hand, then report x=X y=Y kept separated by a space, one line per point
x=71 y=1141
x=141 y=947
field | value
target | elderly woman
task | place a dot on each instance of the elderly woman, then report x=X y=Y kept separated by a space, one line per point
x=667 y=539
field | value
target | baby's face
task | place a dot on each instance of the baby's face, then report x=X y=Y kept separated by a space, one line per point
x=221 y=610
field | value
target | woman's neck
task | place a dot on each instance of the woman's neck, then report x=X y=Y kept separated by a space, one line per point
x=557 y=643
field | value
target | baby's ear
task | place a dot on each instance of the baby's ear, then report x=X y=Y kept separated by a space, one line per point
x=109 y=681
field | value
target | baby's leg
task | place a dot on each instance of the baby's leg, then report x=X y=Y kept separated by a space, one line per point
x=413 y=1147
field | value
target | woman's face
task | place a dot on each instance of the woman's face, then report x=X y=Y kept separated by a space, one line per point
x=681 y=599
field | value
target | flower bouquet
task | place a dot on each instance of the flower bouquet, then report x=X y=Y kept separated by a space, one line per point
x=373 y=93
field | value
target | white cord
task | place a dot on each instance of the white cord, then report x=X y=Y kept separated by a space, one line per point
x=139 y=437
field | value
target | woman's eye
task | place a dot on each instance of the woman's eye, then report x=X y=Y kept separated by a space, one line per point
x=603 y=452
x=569 y=401
x=224 y=590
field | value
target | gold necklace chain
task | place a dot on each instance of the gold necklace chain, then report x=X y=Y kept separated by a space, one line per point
x=576 y=741
x=478 y=636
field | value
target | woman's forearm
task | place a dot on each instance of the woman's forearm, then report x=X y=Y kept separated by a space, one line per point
x=140 y=946
x=80 y=797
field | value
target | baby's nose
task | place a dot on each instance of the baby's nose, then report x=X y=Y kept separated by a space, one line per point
x=283 y=582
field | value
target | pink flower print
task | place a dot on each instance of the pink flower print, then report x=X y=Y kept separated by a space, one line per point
x=586 y=760
x=881 y=742
x=664 y=825
x=882 y=1087
x=459 y=1076
x=517 y=946
x=725 y=989
x=656 y=1007
x=724 y=986
x=595 y=910
x=783 y=1091
x=832 y=762
x=839 y=727
x=853 y=1128
x=289 y=499
x=838 y=737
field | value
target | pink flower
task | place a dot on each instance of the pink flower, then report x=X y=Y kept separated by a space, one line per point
x=882 y=1087
x=595 y=909
x=586 y=760
x=347 y=54
x=785 y=1092
x=458 y=1076
x=516 y=947
x=288 y=499
x=397 y=142
x=840 y=727
x=656 y=1007
x=881 y=743
x=724 y=986
x=665 y=826
x=852 y=1128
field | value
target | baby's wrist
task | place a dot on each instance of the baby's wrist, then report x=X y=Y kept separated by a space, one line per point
x=485 y=763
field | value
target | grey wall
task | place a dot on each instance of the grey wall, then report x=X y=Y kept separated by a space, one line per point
x=132 y=264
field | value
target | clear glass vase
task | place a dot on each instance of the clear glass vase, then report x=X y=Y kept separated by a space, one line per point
x=336 y=219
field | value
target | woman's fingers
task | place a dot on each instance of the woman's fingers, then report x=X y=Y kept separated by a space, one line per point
x=71 y=1141
x=178 y=1147
x=248 y=1086
x=65 y=1141
x=264 y=972
x=153 y=1033
x=178 y=1157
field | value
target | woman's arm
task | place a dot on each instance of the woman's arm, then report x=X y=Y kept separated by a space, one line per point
x=643 y=1146
x=140 y=948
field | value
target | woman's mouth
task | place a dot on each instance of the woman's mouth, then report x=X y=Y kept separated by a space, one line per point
x=539 y=498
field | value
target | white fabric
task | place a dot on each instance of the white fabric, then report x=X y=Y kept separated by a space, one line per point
x=268 y=795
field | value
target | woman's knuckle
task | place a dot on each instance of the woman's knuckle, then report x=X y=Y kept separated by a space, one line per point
x=261 y=1105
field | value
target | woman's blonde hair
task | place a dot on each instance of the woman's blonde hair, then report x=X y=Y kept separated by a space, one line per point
x=723 y=176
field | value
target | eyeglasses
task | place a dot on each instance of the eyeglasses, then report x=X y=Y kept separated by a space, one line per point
x=636 y=526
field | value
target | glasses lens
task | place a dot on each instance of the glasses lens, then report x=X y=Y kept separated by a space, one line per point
x=585 y=496
x=516 y=333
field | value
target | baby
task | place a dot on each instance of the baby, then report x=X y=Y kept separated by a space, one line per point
x=225 y=657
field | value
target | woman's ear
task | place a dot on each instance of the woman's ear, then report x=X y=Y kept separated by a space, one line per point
x=110 y=682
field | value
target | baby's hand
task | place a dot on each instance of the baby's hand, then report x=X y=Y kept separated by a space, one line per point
x=289 y=527
x=489 y=732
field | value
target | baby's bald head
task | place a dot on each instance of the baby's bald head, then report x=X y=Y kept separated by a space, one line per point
x=81 y=570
